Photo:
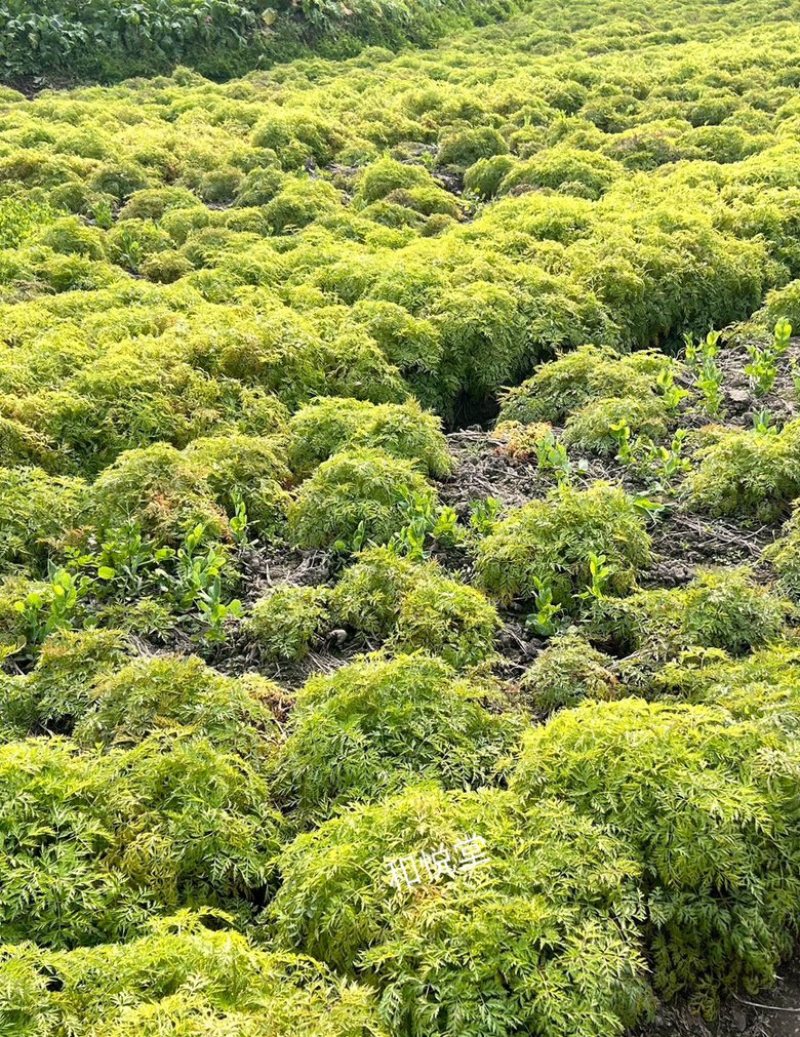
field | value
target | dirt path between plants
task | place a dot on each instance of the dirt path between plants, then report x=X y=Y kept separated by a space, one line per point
x=772 y=1013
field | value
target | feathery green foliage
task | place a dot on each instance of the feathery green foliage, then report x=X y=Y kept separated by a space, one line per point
x=706 y=804
x=566 y=672
x=533 y=939
x=723 y=608
x=236 y=317
x=550 y=543
x=355 y=498
x=330 y=425
x=750 y=473
x=95 y=844
x=377 y=725
x=285 y=621
x=192 y=973
x=415 y=607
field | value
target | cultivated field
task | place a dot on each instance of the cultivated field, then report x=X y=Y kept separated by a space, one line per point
x=399 y=561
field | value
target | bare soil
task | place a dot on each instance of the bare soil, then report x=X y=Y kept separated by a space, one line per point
x=773 y=1013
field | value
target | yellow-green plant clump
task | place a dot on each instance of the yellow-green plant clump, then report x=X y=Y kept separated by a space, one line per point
x=327 y=343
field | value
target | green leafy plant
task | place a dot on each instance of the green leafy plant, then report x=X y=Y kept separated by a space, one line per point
x=764 y=359
x=708 y=376
x=355 y=487
x=350 y=732
x=415 y=606
x=285 y=622
x=542 y=621
x=552 y=456
x=554 y=894
x=568 y=671
x=747 y=473
x=484 y=515
x=172 y=821
x=673 y=395
x=724 y=608
x=600 y=425
x=554 y=541
x=188 y=966
x=621 y=431
x=600 y=574
x=710 y=820
x=52 y=608
x=663 y=465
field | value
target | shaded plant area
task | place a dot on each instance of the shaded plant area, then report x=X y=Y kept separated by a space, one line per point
x=108 y=41
x=326 y=711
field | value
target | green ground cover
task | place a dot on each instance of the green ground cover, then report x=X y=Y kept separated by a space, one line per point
x=271 y=638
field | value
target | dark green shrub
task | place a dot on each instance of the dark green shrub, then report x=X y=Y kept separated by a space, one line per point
x=763 y=686
x=536 y=939
x=648 y=146
x=721 y=143
x=318 y=135
x=329 y=425
x=207 y=247
x=187 y=974
x=20 y=445
x=523 y=441
x=411 y=343
x=220 y=185
x=437 y=223
x=550 y=544
x=707 y=805
x=146 y=617
x=568 y=671
x=133 y=242
x=260 y=186
x=120 y=179
x=152 y=203
x=259 y=413
x=427 y=200
x=137 y=393
x=71 y=236
x=17 y=708
x=165 y=267
x=397 y=214
x=357 y=495
x=285 y=622
x=351 y=732
x=181 y=223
